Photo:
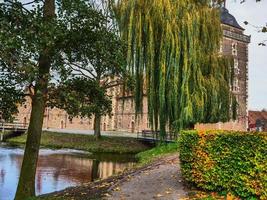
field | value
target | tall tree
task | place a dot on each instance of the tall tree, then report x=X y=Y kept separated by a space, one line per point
x=38 y=40
x=26 y=185
x=173 y=51
x=103 y=64
x=82 y=97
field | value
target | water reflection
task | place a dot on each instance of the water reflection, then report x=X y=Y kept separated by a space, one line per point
x=58 y=170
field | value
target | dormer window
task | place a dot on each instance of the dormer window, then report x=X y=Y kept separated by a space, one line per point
x=234 y=49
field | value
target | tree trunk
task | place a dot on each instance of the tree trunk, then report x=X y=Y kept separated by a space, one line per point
x=26 y=185
x=97 y=127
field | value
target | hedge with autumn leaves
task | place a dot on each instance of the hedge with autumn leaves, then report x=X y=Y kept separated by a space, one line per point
x=233 y=162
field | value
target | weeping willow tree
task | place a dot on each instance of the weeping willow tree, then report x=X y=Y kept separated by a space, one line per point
x=173 y=52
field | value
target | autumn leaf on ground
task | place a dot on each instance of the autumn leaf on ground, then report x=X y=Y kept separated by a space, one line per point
x=159 y=195
x=117 y=189
x=168 y=192
x=107 y=195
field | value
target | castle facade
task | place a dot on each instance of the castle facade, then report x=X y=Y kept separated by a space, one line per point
x=234 y=43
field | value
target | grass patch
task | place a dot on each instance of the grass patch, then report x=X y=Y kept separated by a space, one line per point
x=86 y=143
x=5 y=132
x=157 y=152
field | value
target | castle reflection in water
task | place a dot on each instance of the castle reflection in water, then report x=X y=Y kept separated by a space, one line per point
x=56 y=171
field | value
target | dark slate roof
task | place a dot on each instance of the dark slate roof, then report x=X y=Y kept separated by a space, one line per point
x=228 y=19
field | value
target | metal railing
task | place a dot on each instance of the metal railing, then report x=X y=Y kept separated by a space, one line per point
x=154 y=136
x=13 y=126
x=14 y=129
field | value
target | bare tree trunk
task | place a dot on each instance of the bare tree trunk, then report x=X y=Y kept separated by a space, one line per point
x=26 y=186
x=97 y=122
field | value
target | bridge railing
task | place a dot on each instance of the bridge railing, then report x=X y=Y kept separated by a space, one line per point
x=13 y=126
x=14 y=130
x=154 y=136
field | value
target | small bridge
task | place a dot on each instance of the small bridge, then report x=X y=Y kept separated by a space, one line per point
x=154 y=136
x=12 y=129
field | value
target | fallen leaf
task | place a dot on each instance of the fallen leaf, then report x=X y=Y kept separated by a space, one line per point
x=159 y=195
x=168 y=192
x=107 y=195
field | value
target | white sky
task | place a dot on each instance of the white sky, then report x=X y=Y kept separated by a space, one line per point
x=256 y=14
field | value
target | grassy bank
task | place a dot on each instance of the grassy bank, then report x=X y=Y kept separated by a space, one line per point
x=86 y=143
x=157 y=152
x=5 y=132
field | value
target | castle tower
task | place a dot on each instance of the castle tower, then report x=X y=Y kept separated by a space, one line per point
x=235 y=43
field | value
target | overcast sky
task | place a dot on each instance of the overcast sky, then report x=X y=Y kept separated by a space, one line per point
x=256 y=14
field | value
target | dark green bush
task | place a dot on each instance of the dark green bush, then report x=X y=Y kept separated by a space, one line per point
x=226 y=161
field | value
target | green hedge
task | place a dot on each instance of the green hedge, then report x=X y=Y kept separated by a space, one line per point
x=226 y=161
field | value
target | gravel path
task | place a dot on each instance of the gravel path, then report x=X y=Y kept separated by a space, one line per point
x=161 y=181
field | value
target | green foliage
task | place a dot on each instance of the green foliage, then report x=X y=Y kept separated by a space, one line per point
x=81 y=97
x=86 y=143
x=226 y=161
x=10 y=96
x=157 y=152
x=79 y=41
x=173 y=52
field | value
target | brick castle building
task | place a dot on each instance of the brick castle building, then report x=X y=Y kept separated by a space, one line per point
x=234 y=43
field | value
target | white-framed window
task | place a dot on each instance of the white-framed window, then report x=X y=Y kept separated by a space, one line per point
x=236 y=67
x=234 y=48
x=221 y=47
x=236 y=87
x=121 y=106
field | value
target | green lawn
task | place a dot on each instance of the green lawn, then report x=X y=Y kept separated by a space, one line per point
x=157 y=152
x=86 y=143
x=5 y=132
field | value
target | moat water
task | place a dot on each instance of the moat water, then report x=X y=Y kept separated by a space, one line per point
x=58 y=169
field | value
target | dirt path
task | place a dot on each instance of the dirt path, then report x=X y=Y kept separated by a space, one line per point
x=160 y=181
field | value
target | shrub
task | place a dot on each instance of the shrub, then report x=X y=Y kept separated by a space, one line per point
x=226 y=161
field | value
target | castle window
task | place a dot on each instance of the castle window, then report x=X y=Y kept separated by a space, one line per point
x=236 y=85
x=70 y=120
x=121 y=106
x=221 y=47
x=234 y=49
x=236 y=67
